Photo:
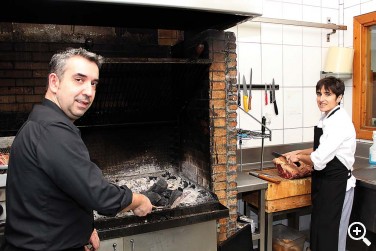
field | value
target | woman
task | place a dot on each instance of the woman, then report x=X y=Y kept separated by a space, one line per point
x=332 y=157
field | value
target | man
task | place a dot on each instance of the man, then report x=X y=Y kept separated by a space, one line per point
x=52 y=186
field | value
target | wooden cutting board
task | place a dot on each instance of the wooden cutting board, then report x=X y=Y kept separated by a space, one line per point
x=287 y=187
x=286 y=195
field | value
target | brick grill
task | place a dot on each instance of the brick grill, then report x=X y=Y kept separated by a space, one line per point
x=25 y=50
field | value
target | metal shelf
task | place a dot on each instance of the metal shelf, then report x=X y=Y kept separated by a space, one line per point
x=299 y=23
x=249 y=134
x=333 y=27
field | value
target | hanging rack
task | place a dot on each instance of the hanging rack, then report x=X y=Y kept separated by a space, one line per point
x=254 y=135
x=329 y=25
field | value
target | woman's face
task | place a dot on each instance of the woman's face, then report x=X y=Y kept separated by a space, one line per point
x=327 y=100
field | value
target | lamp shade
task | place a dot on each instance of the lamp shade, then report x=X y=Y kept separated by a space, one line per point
x=339 y=60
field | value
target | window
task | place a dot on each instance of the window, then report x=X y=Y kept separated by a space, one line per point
x=364 y=75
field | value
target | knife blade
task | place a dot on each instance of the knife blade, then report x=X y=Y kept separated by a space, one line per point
x=277 y=155
x=266 y=177
x=245 y=95
x=250 y=92
x=274 y=100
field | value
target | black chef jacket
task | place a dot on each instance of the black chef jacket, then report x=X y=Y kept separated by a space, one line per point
x=53 y=187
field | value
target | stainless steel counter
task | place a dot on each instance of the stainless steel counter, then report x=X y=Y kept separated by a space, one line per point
x=364 y=172
x=248 y=183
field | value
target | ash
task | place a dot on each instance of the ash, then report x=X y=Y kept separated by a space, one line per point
x=178 y=191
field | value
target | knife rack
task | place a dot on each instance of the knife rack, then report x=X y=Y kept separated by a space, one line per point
x=248 y=134
x=259 y=87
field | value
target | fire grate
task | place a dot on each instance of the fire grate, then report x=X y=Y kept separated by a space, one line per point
x=196 y=205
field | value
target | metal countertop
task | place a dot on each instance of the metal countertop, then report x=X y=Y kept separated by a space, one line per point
x=248 y=183
x=365 y=173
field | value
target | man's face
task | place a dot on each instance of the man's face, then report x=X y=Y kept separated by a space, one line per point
x=75 y=90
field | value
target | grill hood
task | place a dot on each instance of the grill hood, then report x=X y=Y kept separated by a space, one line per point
x=162 y=14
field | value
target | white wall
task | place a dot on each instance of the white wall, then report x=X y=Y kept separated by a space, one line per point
x=294 y=57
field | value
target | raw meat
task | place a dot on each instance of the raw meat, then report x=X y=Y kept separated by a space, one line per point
x=4 y=158
x=292 y=171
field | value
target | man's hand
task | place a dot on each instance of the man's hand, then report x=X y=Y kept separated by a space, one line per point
x=93 y=242
x=143 y=205
x=140 y=205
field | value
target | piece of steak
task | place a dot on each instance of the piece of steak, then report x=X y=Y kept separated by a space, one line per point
x=4 y=158
x=291 y=171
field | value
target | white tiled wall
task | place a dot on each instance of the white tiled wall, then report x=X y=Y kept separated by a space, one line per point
x=294 y=57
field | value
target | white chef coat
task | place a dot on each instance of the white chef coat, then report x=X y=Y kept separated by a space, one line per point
x=338 y=140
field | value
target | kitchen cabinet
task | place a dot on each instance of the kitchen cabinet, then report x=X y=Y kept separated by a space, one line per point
x=193 y=237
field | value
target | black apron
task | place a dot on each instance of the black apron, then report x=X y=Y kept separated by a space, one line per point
x=327 y=194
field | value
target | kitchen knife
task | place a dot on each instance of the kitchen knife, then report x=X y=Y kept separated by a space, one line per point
x=250 y=93
x=271 y=98
x=266 y=177
x=275 y=154
x=239 y=98
x=274 y=100
x=245 y=95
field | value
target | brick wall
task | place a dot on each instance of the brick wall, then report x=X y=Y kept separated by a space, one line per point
x=223 y=104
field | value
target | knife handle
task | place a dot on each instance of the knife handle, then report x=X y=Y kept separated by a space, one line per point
x=275 y=107
x=245 y=103
x=239 y=100
x=266 y=97
x=249 y=102
x=270 y=179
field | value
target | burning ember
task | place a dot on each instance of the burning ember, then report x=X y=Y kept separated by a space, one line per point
x=165 y=190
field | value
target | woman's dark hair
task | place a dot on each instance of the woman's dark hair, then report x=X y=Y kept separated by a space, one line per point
x=333 y=84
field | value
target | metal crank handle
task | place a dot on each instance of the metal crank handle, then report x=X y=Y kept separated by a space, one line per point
x=132 y=244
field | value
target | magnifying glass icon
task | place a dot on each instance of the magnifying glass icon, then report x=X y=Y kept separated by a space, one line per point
x=357 y=231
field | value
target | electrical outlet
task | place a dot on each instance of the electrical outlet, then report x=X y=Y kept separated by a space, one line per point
x=373 y=121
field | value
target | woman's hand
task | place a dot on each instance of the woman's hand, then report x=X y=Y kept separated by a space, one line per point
x=299 y=155
x=93 y=242
x=292 y=156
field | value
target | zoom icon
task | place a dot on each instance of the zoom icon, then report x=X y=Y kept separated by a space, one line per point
x=357 y=231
